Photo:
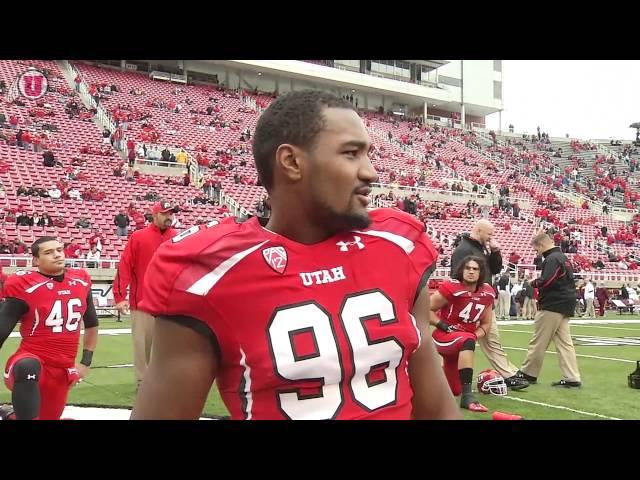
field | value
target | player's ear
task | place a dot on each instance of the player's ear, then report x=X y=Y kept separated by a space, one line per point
x=288 y=161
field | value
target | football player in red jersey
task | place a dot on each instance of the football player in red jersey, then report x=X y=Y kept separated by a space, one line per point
x=322 y=314
x=464 y=315
x=49 y=302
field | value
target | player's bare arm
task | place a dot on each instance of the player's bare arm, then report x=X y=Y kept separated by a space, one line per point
x=436 y=302
x=183 y=366
x=485 y=323
x=432 y=397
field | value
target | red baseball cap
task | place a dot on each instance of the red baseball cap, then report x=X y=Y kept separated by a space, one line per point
x=162 y=207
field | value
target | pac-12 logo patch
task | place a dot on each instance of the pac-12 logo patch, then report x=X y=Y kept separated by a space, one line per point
x=276 y=258
x=32 y=84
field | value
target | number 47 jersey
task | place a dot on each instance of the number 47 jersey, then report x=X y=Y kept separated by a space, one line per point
x=50 y=328
x=304 y=331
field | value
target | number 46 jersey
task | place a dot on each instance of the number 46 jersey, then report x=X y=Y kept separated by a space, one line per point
x=304 y=331
x=50 y=328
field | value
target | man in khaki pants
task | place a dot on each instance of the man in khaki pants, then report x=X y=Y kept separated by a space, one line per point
x=528 y=306
x=504 y=297
x=132 y=267
x=589 y=297
x=557 y=288
x=480 y=242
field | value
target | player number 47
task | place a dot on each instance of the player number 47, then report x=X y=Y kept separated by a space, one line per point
x=56 y=320
x=466 y=312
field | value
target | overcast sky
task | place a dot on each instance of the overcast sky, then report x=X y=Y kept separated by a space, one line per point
x=588 y=99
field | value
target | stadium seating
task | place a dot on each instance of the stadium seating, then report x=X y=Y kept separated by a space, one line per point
x=410 y=152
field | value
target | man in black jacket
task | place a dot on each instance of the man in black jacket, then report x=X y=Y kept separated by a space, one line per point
x=557 y=304
x=481 y=244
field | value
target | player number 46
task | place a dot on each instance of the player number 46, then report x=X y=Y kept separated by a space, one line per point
x=56 y=320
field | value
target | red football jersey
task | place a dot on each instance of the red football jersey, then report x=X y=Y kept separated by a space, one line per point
x=305 y=331
x=51 y=327
x=465 y=308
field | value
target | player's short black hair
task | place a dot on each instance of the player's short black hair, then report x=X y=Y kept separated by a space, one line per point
x=459 y=273
x=295 y=118
x=35 y=246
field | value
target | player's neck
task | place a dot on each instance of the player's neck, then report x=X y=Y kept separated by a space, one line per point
x=295 y=229
x=58 y=276
x=471 y=287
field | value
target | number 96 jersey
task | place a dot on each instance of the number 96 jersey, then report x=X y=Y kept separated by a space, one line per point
x=51 y=326
x=320 y=331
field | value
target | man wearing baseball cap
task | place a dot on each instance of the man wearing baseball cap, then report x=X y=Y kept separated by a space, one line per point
x=133 y=264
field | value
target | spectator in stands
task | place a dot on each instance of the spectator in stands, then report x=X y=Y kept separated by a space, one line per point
x=49 y=159
x=97 y=239
x=166 y=155
x=19 y=247
x=121 y=221
x=516 y=210
x=119 y=170
x=93 y=254
x=514 y=259
x=131 y=155
x=45 y=220
x=22 y=220
x=181 y=157
x=72 y=249
x=83 y=222
x=54 y=193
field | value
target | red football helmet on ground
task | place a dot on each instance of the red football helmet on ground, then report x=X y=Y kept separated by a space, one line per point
x=490 y=381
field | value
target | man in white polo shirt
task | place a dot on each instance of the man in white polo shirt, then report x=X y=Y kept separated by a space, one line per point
x=589 y=295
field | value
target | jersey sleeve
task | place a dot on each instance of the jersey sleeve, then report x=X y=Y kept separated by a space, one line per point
x=180 y=267
x=16 y=286
x=446 y=290
x=412 y=237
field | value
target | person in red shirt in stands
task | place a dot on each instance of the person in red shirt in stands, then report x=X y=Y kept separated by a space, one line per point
x=72 y=250
x=97 y=238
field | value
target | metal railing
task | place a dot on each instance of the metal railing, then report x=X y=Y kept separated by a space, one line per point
x=234 y=207
x=454 y=196
x=22 y=261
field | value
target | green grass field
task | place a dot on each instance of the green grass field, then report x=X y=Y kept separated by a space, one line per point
x=604 y=393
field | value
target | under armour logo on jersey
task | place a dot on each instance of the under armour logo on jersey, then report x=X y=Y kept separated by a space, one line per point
x=50 y=286
x=31 y=376
x=344 y=246
x=276 y=258
x=72 y=283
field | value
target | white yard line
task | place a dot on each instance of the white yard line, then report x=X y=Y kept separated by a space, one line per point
x=575 y=322
x=560 y=407
x=577 y=354
x=105 y=331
